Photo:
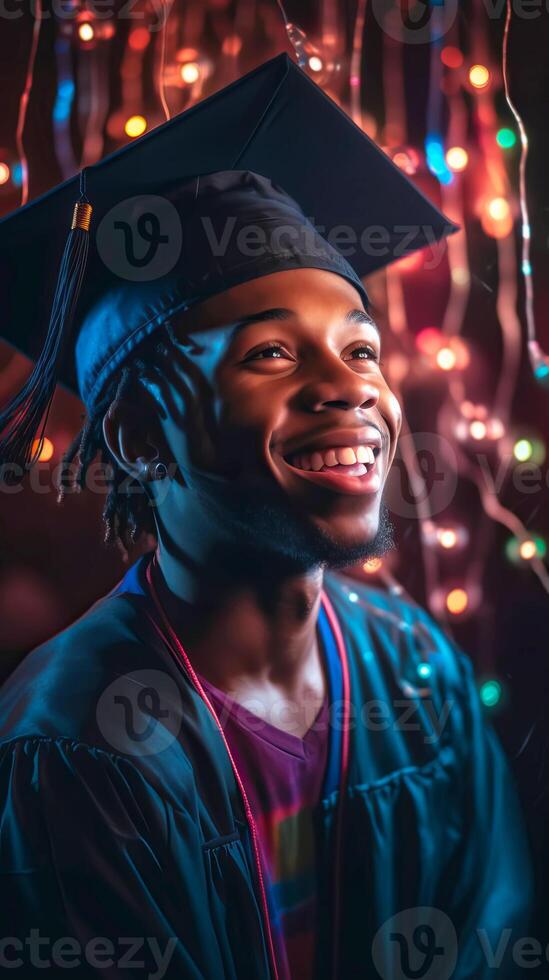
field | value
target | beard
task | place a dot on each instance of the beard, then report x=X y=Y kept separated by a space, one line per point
x=266 y=529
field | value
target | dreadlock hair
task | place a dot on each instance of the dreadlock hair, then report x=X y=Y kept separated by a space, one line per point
x=127 y=513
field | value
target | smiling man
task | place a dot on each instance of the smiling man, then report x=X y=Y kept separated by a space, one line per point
x=240 y=763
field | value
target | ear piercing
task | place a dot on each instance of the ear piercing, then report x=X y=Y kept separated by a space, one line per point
x=156 y=471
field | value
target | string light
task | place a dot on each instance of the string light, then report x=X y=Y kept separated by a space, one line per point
x=479 y=76
x=525 y=549
x=457 y=158
x=135 y=126
x=506 y=138
x=315 y=63
x=451 y=57
x=44 y=449
x=496 y=218
x=406 y=159
x=539 y=360
x=477 y=430
x=139 y=39
x=446 y=359
x=436 y=161
x=447 y=537
x=490 y=693
x=190 y=72
x=529 y=450
x=522 y=450
x=424 y=670
x=86 y=32
x=372 y=565
x=457 y=601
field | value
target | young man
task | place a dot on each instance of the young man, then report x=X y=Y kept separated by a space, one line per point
x=230 y=766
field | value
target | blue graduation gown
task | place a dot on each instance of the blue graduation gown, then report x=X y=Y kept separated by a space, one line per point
x=128 y=846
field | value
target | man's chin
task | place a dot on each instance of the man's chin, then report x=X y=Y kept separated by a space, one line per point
x=278 y=535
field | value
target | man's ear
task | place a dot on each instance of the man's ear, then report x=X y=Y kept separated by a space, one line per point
x=128 y=435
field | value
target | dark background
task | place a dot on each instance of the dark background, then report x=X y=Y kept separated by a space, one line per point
x=53 y=563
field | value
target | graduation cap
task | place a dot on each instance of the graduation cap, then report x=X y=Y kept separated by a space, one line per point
x=270 y=149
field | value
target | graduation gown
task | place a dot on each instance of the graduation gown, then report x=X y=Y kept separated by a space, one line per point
x=125 y=850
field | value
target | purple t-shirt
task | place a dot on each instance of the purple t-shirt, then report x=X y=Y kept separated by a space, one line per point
x=283 y=777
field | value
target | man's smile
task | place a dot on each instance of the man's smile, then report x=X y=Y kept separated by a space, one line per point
x=346 y=461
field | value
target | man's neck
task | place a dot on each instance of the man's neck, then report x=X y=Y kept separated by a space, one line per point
x=249 y=630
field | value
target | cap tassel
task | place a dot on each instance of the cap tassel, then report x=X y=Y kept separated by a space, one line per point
x=28 y=411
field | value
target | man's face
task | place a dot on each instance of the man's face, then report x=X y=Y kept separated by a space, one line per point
x=280 y=419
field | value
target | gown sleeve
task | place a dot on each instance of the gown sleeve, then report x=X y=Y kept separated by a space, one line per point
x=488 y=889
x=87 y=881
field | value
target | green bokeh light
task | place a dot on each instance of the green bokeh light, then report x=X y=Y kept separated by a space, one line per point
x=506 y=138
x=522 y=450
x=490 y=693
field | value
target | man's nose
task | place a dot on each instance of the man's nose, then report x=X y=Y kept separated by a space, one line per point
x=338 y=386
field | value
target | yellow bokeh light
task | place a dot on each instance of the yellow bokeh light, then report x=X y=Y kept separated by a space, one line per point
x=190 y=72
x=478 y=430
x=457 y=158
x=457 y=601
x=372 y=565
x=135 y=126
x=86 y=32
x=479 y=76
x=447 y=537
x=446 y=359
x=527 y=550
x=498 y=208
x=315 y=63
x=4 y=173
x=46 y=452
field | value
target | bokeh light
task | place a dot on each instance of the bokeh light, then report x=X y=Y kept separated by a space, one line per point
x=490 y=693
x=522 y=450
x=457 y=158
x=479 y=76
x=135 y=126
x=4 y=173
x=446 y=359
x=46 y=452
x=451 y=57
x=506 y=138
x=86 y=31
x=190 y=72
x=457 y=601
x=372 y=566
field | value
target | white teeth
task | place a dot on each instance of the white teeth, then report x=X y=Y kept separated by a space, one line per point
x=346 y=456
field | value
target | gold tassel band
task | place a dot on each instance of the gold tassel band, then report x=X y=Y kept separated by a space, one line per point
x=81 y=217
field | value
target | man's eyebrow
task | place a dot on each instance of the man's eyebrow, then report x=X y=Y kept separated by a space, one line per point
x=359 y=316
x=277 y=313
x=283 y=313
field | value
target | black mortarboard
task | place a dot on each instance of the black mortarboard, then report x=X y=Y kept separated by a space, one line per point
x=283 y=140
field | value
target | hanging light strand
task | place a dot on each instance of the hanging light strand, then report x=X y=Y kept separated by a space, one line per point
x=539 y=361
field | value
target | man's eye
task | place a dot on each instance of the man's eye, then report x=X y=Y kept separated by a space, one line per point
x=275 y=351
x=365 y=353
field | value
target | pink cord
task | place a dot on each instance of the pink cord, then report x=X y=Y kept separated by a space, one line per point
x=180 y=655
x=334 y=624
